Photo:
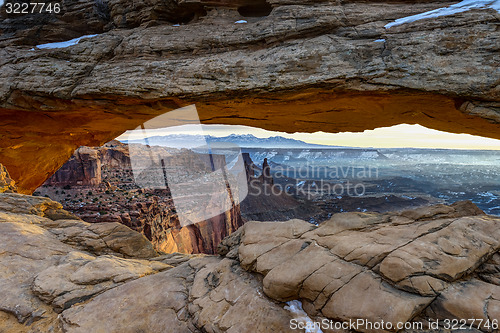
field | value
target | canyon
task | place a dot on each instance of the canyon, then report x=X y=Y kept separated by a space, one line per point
x=97 y=184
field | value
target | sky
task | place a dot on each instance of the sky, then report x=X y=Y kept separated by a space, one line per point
x=399 y=136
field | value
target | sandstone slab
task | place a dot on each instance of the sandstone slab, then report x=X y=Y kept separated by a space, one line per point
x=303 y=66
x=80 y=276
x=202 y=295
x=377 y=267
x=472 y=299
x=448 y=253
x=375 y=302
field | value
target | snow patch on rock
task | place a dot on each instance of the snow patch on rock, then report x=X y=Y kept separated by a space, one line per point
x=450 y=10
x=60 y=45
x=295 y=307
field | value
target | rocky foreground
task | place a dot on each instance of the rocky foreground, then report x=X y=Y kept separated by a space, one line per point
x=296 y=65
x=61 y=274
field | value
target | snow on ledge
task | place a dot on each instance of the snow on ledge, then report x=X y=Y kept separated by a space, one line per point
x=60 y=45
x=241 y=22
x=450 y=10
x=300 y=316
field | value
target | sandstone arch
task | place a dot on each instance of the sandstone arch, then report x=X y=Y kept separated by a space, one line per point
x=307 y=66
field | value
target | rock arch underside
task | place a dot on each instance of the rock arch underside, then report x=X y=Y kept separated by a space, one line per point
x=306 y=66
x=289 y=65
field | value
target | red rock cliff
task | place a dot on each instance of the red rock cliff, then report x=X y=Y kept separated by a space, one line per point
x=104 y=176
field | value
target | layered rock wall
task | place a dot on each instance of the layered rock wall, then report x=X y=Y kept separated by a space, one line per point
x=160 y=224
x=83 y=169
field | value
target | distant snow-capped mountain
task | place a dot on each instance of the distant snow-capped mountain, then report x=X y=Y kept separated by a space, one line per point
x=241 y=140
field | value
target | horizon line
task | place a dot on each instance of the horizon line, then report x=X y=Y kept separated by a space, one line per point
x=395 y=137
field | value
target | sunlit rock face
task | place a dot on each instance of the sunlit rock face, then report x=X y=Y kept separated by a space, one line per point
x=167 y=235
x=83 y=168
x=6 y=183
x=303 y=66
x=103 y=181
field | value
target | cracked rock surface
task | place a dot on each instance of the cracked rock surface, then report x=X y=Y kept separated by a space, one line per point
x=65 y=275
x=394 y=267
x=60 y=274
